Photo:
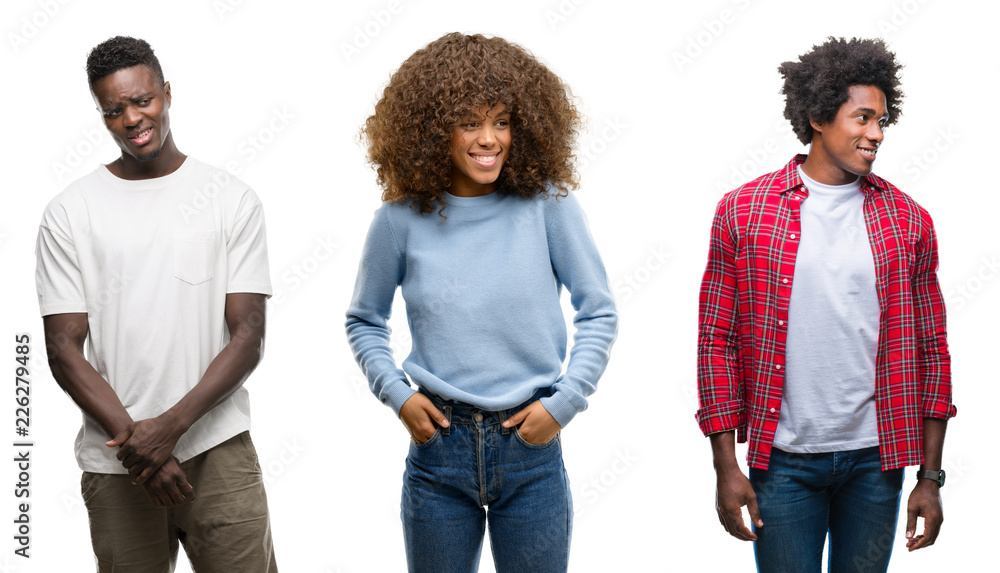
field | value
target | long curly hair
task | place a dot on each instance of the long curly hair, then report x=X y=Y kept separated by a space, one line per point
x=817 y=85
x=409 y=134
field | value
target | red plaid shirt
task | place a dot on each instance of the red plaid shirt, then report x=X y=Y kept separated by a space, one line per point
x=743 y=314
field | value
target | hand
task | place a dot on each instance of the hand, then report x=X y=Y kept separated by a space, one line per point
x=144 y=446
x=537 y=425
x=732 y=492
x=168 y=486
x=925 y=501
x=421 y=418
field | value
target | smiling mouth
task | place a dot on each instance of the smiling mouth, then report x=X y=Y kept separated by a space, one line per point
x=485 y=159
x=868 y=152
x=142 y=137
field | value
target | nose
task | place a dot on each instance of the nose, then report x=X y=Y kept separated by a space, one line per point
x=131 y=116
x=875 y=132
x=487 y=135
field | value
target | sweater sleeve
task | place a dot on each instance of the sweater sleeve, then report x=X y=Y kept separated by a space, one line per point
x=379 y=273
x=578 y=267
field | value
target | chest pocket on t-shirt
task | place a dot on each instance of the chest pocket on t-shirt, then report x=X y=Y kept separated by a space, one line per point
x=194 y=256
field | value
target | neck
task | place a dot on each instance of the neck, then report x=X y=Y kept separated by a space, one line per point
x=169 y=160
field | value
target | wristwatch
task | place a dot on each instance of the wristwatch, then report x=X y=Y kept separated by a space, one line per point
x=934 y=475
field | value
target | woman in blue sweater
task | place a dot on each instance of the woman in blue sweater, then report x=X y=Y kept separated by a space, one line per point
x=472 y=141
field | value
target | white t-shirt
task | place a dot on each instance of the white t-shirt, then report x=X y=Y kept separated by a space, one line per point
x=151 y=262
x=828 y=398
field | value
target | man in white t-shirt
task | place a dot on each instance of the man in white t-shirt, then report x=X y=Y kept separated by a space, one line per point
x=158 y=263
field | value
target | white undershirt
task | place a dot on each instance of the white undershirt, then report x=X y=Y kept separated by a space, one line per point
x=828 y=400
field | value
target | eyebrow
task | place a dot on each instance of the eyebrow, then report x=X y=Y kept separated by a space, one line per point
x=131 y=99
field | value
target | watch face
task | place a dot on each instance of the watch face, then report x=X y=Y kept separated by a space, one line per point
x=941 y=478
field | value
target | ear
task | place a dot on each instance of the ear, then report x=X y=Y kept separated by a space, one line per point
x=166 y=92
x=817 y=126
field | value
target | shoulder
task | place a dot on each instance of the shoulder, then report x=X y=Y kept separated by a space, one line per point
x=905 y=207
x=70 y=200
x=208 y=181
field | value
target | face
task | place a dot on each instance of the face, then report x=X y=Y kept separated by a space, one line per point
x=480 y=144
x=135 y=109
x=845 y=147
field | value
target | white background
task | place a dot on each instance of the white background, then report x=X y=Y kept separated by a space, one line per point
x=666 y=136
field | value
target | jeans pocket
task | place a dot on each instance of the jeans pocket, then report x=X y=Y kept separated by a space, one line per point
x=194 y=256
x=527 y=444
x=434 y=437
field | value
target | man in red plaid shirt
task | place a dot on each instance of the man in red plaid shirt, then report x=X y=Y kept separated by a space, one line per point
x=822 y=334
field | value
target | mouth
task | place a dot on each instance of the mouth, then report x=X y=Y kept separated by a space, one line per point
x=142 y=137
x=868 y=152
x=485 y=160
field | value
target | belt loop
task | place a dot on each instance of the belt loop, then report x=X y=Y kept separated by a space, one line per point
x=504 y=430
x=447 y=414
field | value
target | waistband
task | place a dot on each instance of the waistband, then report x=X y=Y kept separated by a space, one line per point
x=462 y=413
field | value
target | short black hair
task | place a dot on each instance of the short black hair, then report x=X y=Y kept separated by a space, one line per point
x=119 y=53
x=817 y=85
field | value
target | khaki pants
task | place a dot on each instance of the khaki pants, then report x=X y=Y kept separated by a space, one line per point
x=226 y=529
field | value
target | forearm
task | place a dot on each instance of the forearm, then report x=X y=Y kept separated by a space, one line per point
x=64 y=337
x=245 y=317
x=724 y=451
x=224 y=376
x=934 y=431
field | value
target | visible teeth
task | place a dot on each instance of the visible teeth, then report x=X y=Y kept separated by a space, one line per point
x=143 y=134
x=484 y=158
x=869 y=152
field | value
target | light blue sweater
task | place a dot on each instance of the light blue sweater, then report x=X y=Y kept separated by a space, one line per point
x=482 y=301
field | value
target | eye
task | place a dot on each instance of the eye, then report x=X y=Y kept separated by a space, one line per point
x=112 y=112
x=145 y=102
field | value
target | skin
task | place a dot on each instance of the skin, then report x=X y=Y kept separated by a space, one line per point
x=485 y=132
x=835 y=158
x=132 y=100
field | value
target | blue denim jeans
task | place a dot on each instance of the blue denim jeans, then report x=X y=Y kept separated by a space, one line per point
x=805 y=498
x=475 y=463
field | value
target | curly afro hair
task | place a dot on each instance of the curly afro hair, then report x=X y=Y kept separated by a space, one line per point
x=119 y=53
x=817 y=85
x=408 y=136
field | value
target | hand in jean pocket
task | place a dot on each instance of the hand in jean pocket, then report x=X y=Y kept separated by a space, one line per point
x=537 y=426
x=421 y=418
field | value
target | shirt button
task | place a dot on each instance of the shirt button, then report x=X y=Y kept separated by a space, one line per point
x=781 y=323
x=793 y=235
x=778 y=366
x=784 y=281
x=479 y=417
x=772 y=410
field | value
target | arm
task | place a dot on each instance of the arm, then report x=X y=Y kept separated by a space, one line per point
x=64 y=338
x=578 y=266
x=146 y=444
x=935 y=384
x=720 y=388
x=379 y=273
